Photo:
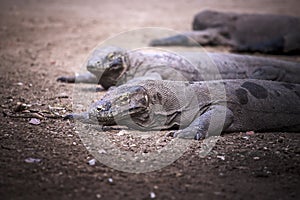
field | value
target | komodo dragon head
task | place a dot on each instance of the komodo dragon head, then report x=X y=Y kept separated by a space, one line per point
x=147 y=105
x=121 y=106
x=108 y=64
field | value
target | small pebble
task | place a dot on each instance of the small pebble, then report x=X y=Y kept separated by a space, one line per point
x=98 y=196
x=221 y=157
x=34 y=121
x=178 y=174
x=246 y=137
x=152 y=195
x=32 y=160
x=256 y=158
x=110 y=180
x=250 y=133
x=92 y=162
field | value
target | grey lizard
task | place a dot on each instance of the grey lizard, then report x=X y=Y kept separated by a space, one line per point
x=112 y=66
x=199 y=109
x=267 y=33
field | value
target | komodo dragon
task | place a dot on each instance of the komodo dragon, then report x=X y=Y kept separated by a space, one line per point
x=111 y=66
x=265 y=33
x=256 y=105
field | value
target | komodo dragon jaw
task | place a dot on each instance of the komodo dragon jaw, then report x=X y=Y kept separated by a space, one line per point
x=119 y=105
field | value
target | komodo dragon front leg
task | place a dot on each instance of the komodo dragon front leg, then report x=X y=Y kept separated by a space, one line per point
x=80 y=78
x=212 y=122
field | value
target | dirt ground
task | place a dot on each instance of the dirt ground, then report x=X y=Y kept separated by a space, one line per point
x=41 y=40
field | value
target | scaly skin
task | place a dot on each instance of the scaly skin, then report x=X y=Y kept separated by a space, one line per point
x=112 y=66
x=200 y=109
x=265 y=33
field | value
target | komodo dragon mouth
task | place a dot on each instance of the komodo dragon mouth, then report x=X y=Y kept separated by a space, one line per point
x=121 y=105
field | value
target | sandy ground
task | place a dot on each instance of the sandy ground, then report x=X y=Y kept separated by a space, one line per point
x=41 y=40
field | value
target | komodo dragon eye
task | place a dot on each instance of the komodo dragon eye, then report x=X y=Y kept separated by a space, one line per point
x=110 y=56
